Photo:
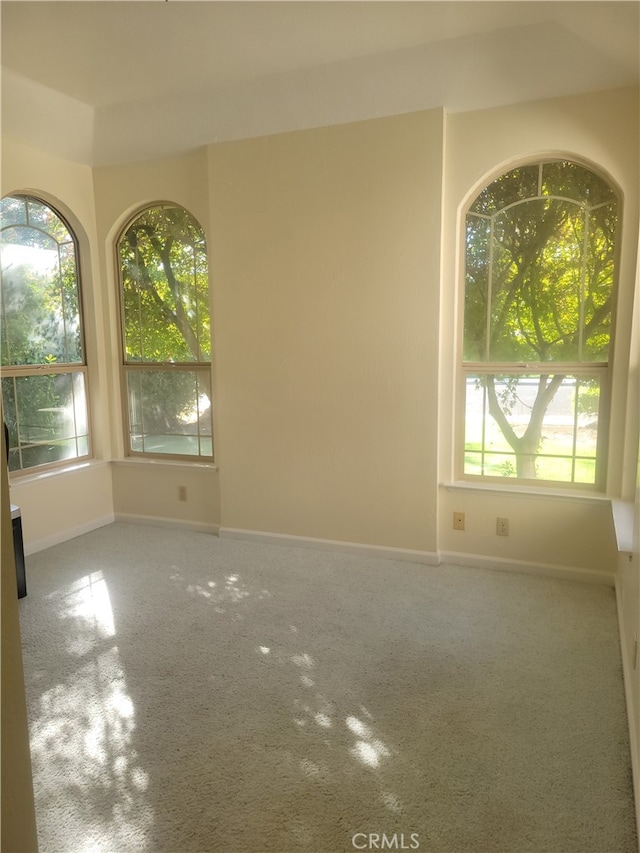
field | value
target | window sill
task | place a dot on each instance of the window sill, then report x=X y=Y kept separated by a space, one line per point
x=623 y=520
x=18 y=478
x=544 y=492
x=163 y=463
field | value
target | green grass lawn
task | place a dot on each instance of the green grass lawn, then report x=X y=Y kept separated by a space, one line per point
x=555 y=462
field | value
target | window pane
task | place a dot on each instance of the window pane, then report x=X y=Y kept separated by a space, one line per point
x=169 y=412
x=512 y=186
x=526 y=268
x=476 y=296
x=585 y=471
x=70 y=304
x=540 y=275
x=499 y=465
x=165 y=288
x=10 y=412
x=41 y=216
x=532 y=427
x=13 y=209
x=536 y=282
x=598 y=283
x=572 y=180
x=204 y=416
x=588 y=410
x=556 y=469
x=47 y=418
x=473 y=463
x=40 y=309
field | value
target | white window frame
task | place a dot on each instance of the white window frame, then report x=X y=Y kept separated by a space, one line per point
x=467 y=369
x=64 y=368
x=202 y=369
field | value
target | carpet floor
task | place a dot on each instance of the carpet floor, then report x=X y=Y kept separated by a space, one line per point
x=189 y=693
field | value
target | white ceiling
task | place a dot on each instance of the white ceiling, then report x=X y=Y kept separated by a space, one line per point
x=102 y=81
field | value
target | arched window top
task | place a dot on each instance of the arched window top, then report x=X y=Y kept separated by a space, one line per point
x=25 y=211
x=44 y=372
x=540 y=266
x=561 y=179
x=163 y=263
x=168 y=220
x=41 y=307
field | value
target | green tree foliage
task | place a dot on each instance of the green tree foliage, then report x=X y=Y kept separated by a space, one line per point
x=40 y=324
x=165 y=298
x=540 y=253
x=40 y=304
x=163 y=262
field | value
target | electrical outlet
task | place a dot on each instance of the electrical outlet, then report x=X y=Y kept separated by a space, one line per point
x=502 y=526
x=458 y=521
x=182 y=493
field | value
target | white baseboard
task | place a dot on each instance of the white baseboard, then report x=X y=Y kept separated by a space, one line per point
x=428 y=558
x=68 y=533
x=456 y=558
x=158 y=521
x=405 y=554
x=629 y=674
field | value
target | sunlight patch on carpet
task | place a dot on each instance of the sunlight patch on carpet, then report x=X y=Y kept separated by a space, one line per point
x=82 y=728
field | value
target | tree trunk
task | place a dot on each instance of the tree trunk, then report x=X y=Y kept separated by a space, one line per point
x=526 y=458
x=527 y=446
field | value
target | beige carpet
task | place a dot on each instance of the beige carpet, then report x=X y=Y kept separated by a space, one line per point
x=194 y=694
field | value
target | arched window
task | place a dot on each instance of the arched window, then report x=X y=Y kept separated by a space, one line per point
x=539 y=294
x=166 y=334
x=44 y=373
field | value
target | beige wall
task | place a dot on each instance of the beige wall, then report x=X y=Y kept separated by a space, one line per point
x=150 y=490
x=146 y=491
x=57 y=506
x=601 y=129
x=545 y=532
x=326 y=252
x=335 y=270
